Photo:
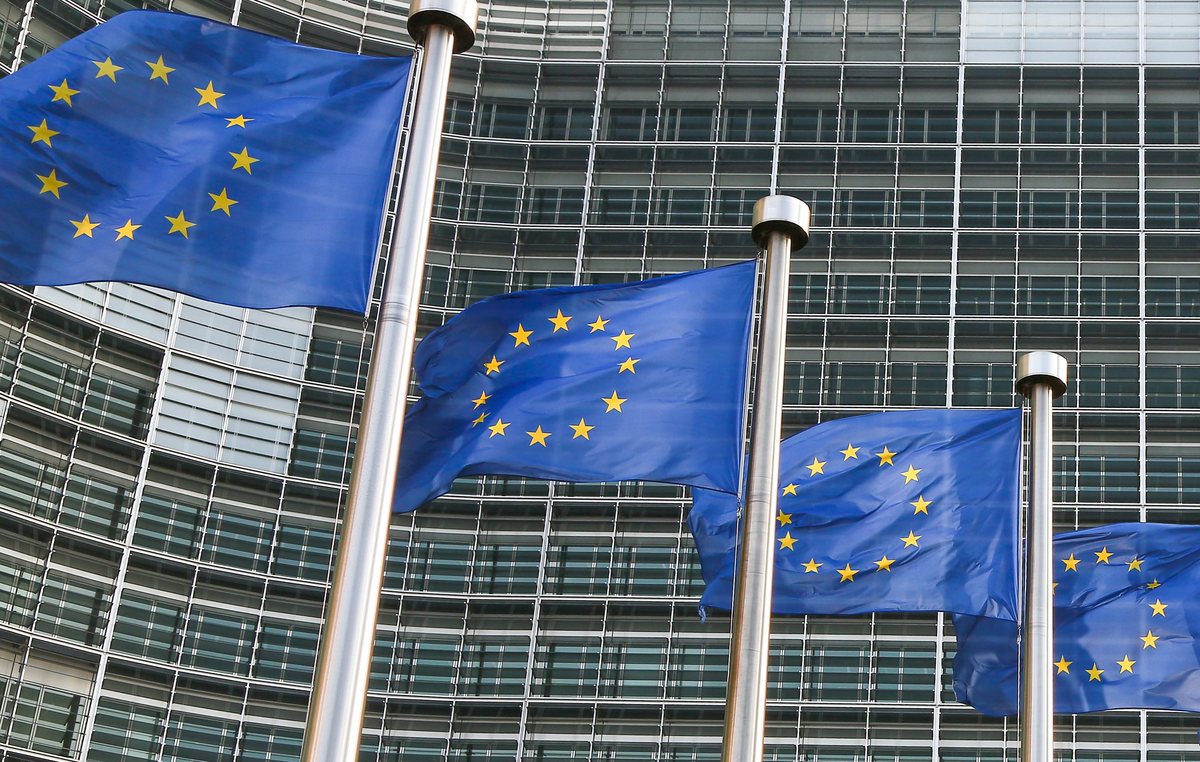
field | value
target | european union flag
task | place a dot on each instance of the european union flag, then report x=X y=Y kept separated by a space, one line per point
x=905 y=511
x=172 y=151
x=640 y=381
x=1126 y=619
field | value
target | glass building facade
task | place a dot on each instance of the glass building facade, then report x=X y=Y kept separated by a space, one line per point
x=987 y=178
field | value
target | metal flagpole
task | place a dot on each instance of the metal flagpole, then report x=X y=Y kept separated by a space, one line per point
x=335 y=714
x=1042 y=377
x=779 y=223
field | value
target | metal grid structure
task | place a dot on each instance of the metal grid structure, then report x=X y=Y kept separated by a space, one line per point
x=986 y=179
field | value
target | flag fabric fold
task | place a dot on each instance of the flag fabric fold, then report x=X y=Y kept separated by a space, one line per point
x=1125 y=626
x=900 y=511
x=639 y=381
x=173 y=151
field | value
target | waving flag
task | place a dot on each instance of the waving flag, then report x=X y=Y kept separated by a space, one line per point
x=1125 y=626
x=905 y=511
x=644 y=381
x=172 y=151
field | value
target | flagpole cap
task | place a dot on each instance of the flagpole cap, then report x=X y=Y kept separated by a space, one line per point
x=1042 y=368
x=781 y=214
x=462 y=16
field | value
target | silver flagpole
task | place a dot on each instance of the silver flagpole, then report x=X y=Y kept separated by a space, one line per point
x=779 y=223
x=1042 y=377
x=335 y=714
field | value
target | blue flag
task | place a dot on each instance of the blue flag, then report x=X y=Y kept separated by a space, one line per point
x=1126 y=621
x=640 y=381
x=172 y=151
x=905 y=511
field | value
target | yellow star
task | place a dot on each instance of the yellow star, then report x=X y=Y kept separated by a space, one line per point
x=598 y=325
x=911 y=540
x=560 y=322
x=847 y=573
x=84 y=227
x=1126 y=664
x=628 y=365
x=885 y=563
x=243 y=160
x=1149 y=640
x=614 y=402
x=910 y=475
x=850 y=452
x=107 y=68
x=537 y=437
x=1063 y=666
x=1153 y=585
x=816 y=467
x=481 y=400
x=812 y=566
x=493 y=366
x=1102 y=555
x=1135 y=565
x=886 y=456
x=63 y=93
x=221 y=201
x=787 y=542
x=237 y=121
x=42 y=133
x=51 y=184
x=1094 y=673
x=479 y=420
x=159 y=70
x=789 y=489
x=921 y=505
x=1160 y=608
x=126 y=230
x=208 y=95
x=498 y=427
x=783 y=518
x=622 y=339
x=521 y=336
x=1071 y=562
x=581 y=429
x=179 y=224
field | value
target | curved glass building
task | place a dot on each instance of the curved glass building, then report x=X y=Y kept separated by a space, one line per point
x=986 y=178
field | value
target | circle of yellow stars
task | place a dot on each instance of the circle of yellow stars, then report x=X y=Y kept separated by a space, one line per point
x=158 y=70
x=817 y=467
x=524 y=337
x=1149 y=640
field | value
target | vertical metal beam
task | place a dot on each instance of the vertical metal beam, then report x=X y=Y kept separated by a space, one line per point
x=780 y=222
x=335 y=714
x=1042 y=377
